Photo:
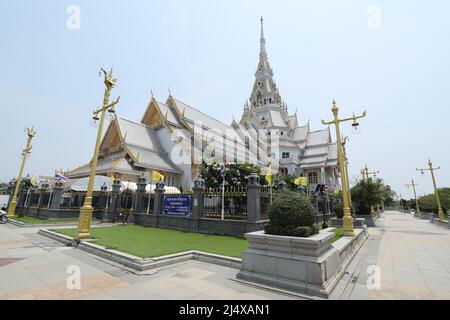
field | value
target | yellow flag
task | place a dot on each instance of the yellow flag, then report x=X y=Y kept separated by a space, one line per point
x=304 y=181
x=156 y=176
x=33 y=181
x=298 y=181
x=269 y=176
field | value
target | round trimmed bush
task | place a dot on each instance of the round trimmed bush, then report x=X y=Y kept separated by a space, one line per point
x=339 y=209
x=291 y=214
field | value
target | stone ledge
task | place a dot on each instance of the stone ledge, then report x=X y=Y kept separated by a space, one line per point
x=16 y=223
x=311 y=246
x=143 y=264
x=56 y=236
x=40 y=225
x=440 y=223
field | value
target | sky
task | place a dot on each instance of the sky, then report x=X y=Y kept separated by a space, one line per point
x=390 y=58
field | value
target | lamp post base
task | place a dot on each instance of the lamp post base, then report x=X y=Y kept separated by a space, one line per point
x=347 y=222
x=441 y=214
x=12 y=209
x=84 y=222
x=372 y=212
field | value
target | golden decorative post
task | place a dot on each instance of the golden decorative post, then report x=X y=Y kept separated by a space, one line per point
x=12 y=206
x=413 y=185
x=84 y=221
x=436 y=190
x=347 y=219
x=367 y=173
x=344 y=141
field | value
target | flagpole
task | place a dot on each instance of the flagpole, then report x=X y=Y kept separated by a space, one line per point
x=223 y=193
x=150 y=193
x=270 y=193
x=223 y=198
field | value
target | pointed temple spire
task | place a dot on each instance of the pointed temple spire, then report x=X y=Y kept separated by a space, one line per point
x=263 y=50
x=265 y=92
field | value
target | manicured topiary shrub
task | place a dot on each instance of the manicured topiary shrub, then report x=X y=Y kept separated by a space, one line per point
x=339 y=209
x=291 y=214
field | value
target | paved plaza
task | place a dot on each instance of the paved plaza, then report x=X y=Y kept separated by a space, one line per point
x=413 y=256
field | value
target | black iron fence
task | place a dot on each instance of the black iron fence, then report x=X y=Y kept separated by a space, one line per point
x=233 y=200
x=230 y=204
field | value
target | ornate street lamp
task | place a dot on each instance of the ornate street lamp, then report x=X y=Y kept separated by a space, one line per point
x=12 y=206
x=84 y=221
x=373 y=173
x=347 y=219
x=436 y=190
x=413 y=185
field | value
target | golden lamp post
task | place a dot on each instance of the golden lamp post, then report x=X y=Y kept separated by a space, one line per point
x=347 y=219
x=12 y=206
x=436 y=190
x=84 y=221
x=367 y=173
x=413 y=185
x=401 y=202
x=347 y=178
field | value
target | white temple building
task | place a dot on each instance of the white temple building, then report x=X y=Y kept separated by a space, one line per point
x=173 y=138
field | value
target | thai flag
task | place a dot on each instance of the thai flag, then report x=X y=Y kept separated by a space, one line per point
x=222 y=171
x=60 y=177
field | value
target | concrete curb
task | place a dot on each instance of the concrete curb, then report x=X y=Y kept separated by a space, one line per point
x=40 y=225
x=440 y=223
x=143 y=264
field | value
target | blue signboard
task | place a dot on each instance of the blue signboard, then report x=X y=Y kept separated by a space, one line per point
x=177 y=205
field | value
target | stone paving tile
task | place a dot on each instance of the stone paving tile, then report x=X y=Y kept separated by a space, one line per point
x=138 y=293
x=413 y=256
x=179 y=293
x=18 y=279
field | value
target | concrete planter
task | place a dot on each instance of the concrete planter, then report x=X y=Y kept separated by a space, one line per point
x=369 y=220
x=310 y=265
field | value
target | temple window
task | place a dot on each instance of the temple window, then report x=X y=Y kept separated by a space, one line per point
x=312 y=177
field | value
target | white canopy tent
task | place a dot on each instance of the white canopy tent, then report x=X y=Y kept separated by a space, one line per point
x=82 y=184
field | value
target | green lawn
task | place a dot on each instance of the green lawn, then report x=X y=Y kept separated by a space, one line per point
x=147 y=242
x=154 y=242
x=32 y=220
x=338 y=233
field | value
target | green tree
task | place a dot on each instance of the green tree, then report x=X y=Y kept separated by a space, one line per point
x=367 y=193
x=235 y=174
x=388 y=195
x=427 y=203
x=289 y=179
